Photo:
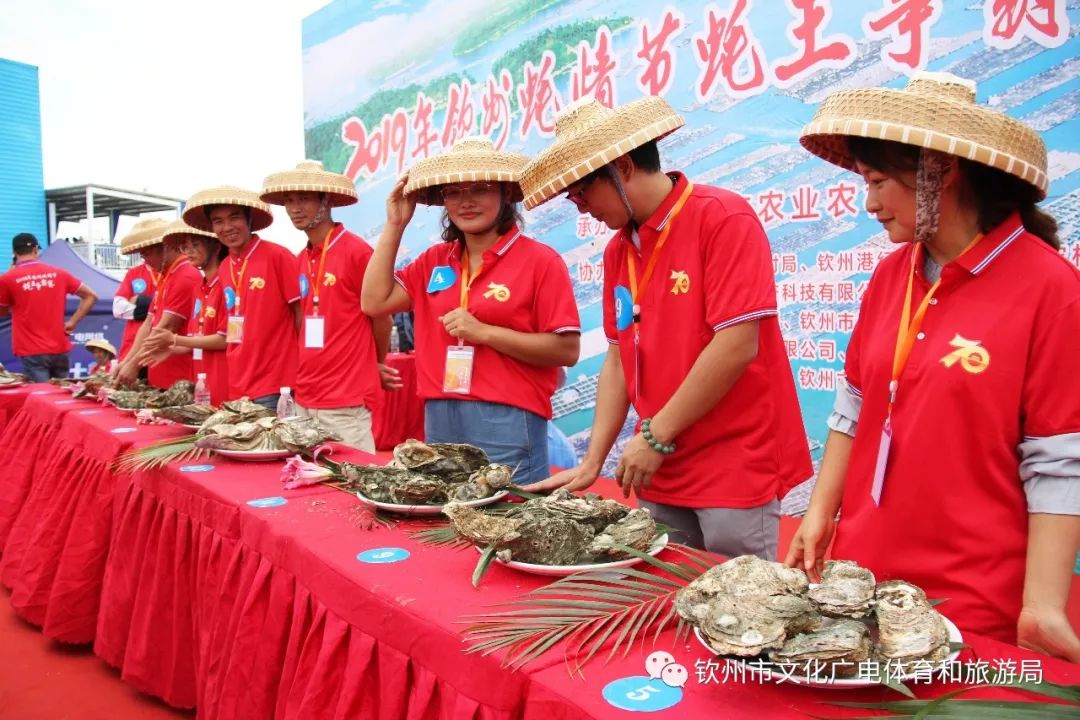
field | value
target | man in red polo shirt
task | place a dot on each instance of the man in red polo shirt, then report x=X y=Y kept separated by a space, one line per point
x=34 y=294
x=262 y=293
x=341 y=348
x=178 y=286
x=131 y=302
x=690 y=313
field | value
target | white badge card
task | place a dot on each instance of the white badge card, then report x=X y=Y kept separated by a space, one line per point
x=459 y=369
x=882 y=462
x=314 y=331
x=196 y=353
x=234 y=330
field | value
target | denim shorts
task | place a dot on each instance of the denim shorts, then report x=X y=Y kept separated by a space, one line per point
x=42 y=367
x=509 y=435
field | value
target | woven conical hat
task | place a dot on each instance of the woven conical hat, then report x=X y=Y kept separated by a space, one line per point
x=101 y=344
x=195 y=211
x=309 y=176
x=471 y=159
x=588 y=136
x=179 y=228
x=144 y=234
x=936 y=111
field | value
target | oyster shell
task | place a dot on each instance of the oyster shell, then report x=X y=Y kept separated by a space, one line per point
x=909 y=628
x=375 y=482
x=636 y=529
x=181 y=392
x=846 y=590
x=130 y=399
x=835 y=650
x=236 y=411
x=446 y=461
x=747 y=605
x=477 y=527
x=419 y=490
x=249 y=436
x=545 y=541
x=186 y=414
x=301 y=433
x=592 y=510
x=483 y=483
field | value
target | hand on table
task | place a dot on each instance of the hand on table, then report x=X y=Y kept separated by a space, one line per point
x=460 y=323
x=811 y=540
x=578 y=478
x=1047 y=630
x=390 y=378
x=638 y=464
x=128 y=373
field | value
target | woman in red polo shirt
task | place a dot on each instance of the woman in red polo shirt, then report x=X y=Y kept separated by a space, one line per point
x=495 y=315
x=953 y=452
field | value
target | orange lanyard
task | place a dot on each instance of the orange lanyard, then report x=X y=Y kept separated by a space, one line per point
x=154 y=277
x=637 y=291
x=316 y=282
x=206 y=289
x=238 y=284
x=910 y=326
x=466 y=279
x=164 y=278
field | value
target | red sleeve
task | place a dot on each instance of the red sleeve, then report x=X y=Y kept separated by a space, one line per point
x=124 y=289
x=181 y=292
x=1051 y=394
x=414 y=276
x=607 y=302
x=738 y=272
x=287 y=270
x=71 y=283
x=554 y=308
x=5 y=291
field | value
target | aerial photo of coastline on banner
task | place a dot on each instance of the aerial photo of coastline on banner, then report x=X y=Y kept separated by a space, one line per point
x=746 y=76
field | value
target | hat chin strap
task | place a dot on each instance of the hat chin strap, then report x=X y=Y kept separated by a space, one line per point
x=929 y=181
x=617 y=181
x=322 y=214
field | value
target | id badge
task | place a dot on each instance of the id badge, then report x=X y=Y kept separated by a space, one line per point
x=882 y=462
x=459 y=369
x=196 y=353
x=314 y=327
x=234 y=330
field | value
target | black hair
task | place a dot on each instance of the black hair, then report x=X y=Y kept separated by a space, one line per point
x=995 y=193
x=646 y=157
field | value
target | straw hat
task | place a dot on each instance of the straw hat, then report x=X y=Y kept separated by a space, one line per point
x=143 y=235
x=936 y=111
x=588 y=136
x=309 y=176
x=195 y=212
x=179 y=228
x=471 y=159
x=101 y=344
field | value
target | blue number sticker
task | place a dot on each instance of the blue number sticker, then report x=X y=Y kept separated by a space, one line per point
x=641 y=693
x=303 y=285
x=196 y=468
x=138 y=285
x=267 y=502
x=380 y=556
x=442 y=277
x=198 y=305
x=90 y=412
x=230 y=298
x=624 y=308
x=119 y=431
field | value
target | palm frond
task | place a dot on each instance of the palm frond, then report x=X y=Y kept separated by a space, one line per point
x=441 y=536
x=483 y=564
x=160 y=454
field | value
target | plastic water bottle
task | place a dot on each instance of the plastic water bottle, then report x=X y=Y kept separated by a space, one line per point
x=286 y=406
x=202 y=392
x=395 y=341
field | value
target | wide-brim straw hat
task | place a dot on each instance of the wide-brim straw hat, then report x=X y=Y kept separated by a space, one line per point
x=936 y=111
x=195 y=212
x=144 y=234
x=470 y=159
x=309 y=176
x=589 y=135
x=180 y=229
x=101 y=344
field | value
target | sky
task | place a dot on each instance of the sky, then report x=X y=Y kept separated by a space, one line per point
x=165 y=97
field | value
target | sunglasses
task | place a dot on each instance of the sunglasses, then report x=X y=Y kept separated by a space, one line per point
x=454 y=194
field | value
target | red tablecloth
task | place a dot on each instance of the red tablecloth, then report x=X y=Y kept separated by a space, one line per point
x=11 y=401
x=399 y=415
x=265 y=612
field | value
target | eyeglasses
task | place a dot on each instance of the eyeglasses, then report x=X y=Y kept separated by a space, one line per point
x=575 y=192
x=455 y=194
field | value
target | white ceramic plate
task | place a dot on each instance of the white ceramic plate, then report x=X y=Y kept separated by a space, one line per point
x=563 y=570
x=254 y=455
x=5 y=386
x=769 y=671
x=429 y=509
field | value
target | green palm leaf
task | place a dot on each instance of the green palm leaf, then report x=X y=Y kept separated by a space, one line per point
x=160 y=454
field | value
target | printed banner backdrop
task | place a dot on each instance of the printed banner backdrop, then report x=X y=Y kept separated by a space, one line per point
x=388 y=82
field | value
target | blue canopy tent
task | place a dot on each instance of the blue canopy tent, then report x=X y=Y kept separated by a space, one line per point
x=98 y=323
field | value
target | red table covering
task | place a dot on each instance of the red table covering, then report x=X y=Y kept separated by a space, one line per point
x=399 y=415
x=265 y=612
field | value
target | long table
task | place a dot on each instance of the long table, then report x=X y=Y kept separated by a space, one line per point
x=208 y=591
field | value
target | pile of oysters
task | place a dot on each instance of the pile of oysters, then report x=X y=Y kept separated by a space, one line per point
x=181 y=392
x=422 y=474
x=12 y=378
x=247 y=426
x=749 y=607
x=559 y=529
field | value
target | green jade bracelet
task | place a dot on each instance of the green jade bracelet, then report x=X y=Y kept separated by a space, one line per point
x=656 y=445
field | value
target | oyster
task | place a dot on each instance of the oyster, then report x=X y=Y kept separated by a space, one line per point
x=835 y=650
x=909 y=628
x=747 y=605
x=298 y=434
x=446 y=461
x=419 y=490
x=236 y=411
x=477 y=527
x=181 y=392
x=375 y=482
x=483 y=483
x=545 y=541
x=846 y=590
x=637 y=529
x=186 y=414
x=130 y=399
x=591 y=510
x=248 y=436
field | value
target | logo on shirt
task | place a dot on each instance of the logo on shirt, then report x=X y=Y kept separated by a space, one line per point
x=138 y=285
x=329 y=279
x=497 y=291
x=256 y=283
x=624 y=308
x=211 y=312
x=230 y=298
x=442 y=277
x=971 y=355
x=681 y=282
x=303 y=285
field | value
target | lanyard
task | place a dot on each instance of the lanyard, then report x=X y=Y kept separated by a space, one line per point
x=637 y=290
x=909 y=328
x=316 y=281
x=154 y=277
x=206 y=289
x=159 y=299
x=467 y=279
x=238 y=284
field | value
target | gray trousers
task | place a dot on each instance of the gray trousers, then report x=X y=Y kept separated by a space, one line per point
x=725 y=531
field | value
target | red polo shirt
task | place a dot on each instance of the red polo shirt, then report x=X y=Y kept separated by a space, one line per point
x=996 y=363
x=523 y=285
x=178 y=288
x=209 y=318
x=138 y=280
x=37 y=293
x=344 y=372
x=266 y=359
x=715 y=271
